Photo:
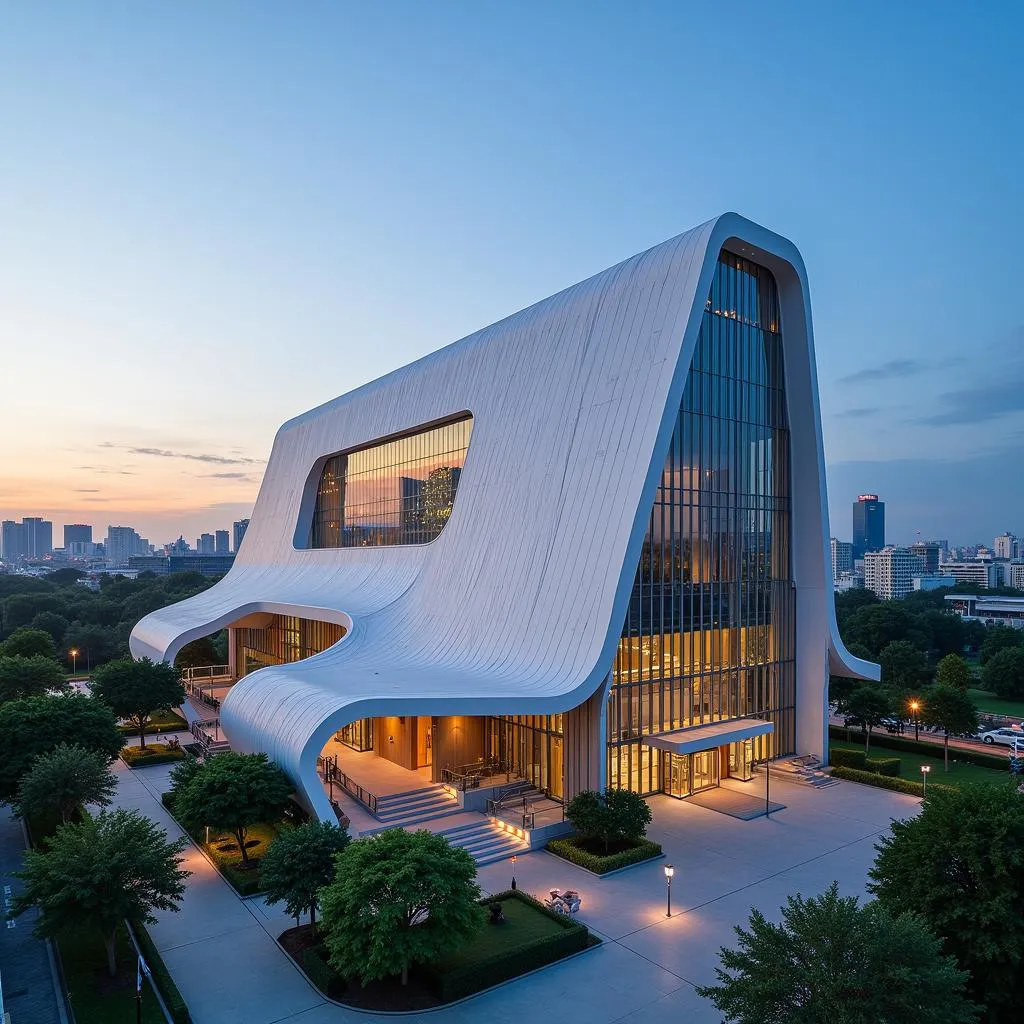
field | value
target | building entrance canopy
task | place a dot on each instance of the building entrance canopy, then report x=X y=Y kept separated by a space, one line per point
x=704 y=737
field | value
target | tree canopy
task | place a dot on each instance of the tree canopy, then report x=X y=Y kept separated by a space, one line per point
x=869 y=704
x=135 y=689
x=832 y=961
x=28 y=643
x=233 y=791
x=95 y=873
x=904 y=666
x=615 y=816
x=398 y=898
x=998 y=638
x=960 y=865
x=29 y=677
x=952 y=710
x=953 y=671
x=299 y=863
x=34 y=725
x=1004 y=673
x=65 y=779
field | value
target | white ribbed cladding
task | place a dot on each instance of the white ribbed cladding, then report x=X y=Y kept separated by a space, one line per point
x=516 y=608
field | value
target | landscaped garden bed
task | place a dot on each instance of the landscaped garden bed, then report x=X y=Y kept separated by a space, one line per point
x=159 y=722
x=150 y=754
x=593 y=855
x=529 y=937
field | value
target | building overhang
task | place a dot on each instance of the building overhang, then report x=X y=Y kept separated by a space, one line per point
x=704 y=737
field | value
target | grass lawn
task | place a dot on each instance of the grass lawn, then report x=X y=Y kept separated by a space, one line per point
x=993 y=705
x=95 y=996
x=159 y=721
x=223 y=849
x=958 y=774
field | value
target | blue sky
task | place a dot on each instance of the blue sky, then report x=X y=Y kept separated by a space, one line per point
x=215 y=216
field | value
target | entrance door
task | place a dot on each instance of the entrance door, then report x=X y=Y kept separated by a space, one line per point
x=704 y=770
x=678 y=775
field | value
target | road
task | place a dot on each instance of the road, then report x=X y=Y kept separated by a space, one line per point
x=955 y=742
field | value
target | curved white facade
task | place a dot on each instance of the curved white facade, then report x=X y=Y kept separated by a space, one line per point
x=517 y=607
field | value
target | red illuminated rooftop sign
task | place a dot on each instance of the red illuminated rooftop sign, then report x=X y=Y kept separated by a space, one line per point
x=867 y=497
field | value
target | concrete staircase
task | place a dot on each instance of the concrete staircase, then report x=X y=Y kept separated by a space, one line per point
x=399 y=810
x=485 y=841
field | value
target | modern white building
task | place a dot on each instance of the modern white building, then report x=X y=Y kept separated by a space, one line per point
x=889 y=572
x=588 y=544
x=982 y=571
x=1004 y=611
x=1007 y=546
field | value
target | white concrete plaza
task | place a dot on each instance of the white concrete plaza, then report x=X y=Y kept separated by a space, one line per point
x=224 y=958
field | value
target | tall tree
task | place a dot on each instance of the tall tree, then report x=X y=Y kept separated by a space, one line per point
x=953 y=671
x=28 y=643
x=832 y=961
x=135 y=689
x=1004 y=673
x=904 y=666
x=953 y=711
x=53 y=623
x=299 y=863
x=398 y=898
x=233 y=792
x=35 y=725
x=29 y=677
x=998 y=638
x=959 y=864
x=97 y=872
x=65 y=779
x=869 y=705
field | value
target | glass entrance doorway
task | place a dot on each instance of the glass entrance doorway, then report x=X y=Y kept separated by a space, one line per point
x=686 y=774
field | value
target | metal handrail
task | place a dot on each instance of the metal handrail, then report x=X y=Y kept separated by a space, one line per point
x=332 y=774
x=194 y=672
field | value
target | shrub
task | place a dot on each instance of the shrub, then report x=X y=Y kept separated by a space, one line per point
x=885 y=781
x=155 y=753
x=570 y=850
x=176 y=1004
x=459 y=982
x=848 y=759
x=321 y=973
x=891 y=766
x=612 y=817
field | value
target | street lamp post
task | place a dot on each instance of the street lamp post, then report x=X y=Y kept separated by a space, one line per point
x=915 y=706
x=74 y=660
x=925 y=769
x=513 y=871
x=669 y=872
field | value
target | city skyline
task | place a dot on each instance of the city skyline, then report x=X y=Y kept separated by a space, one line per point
x=284 y=226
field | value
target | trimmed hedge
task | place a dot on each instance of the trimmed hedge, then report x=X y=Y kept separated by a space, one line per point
x=155 y=753
x=891 y=766
x=176 y=1005
x=977 y=757
x=321 y=973
x=567 y=849
x=885 y=781
x=460 y=982
x=848 y=759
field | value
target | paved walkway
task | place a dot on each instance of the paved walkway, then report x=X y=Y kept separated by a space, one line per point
x=222 y=953
x=29 y=994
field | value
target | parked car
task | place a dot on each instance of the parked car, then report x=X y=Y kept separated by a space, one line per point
x=1005 y=737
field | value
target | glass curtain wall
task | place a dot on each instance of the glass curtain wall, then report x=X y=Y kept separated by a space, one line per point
x=285 y=640
x=531 y=746
x=710 y=630
x=397 y=492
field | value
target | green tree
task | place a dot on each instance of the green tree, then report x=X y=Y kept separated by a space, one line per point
x=97 y=872
x=904 y=666
x=35 y=725
x=1004 y=673
x=832 y=961
x=952 y=710
x=28 y=643
x=953 y=671
x=299 y=863
x=615 y=816
x=65 y=779
x=135 y=689
x=398 y=898
x=234 y=791
x=880 y=624
x=198 y=652
x=29 y=677
x=959 y=864
x=869 y=705
x=53 y=623
x=998 y=638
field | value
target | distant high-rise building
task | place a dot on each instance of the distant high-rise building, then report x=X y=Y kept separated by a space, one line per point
x=122 y=543
x=12 y=541
x=38 y=537
x=868 y=525
x=982 y=571
x=1007 y=546
x=77 y=533
x=889 y=572
x=223 y=542
x=178 y=548
x=928 y=552
x=206 y=545
x=842 y=558
x=239 y=529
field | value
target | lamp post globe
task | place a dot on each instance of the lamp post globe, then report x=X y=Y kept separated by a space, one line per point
x=925 y=769
x=669 y=872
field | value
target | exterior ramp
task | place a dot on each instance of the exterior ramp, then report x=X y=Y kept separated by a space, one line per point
x=517 y=606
